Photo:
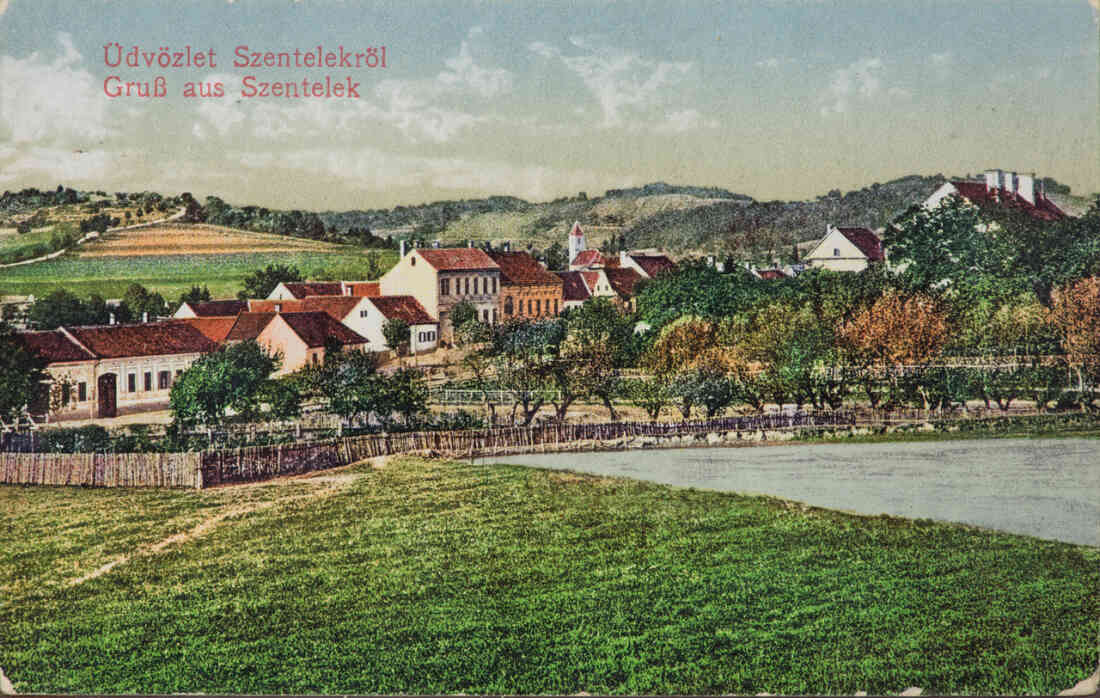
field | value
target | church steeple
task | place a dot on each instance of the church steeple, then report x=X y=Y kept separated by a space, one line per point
x=576 y=241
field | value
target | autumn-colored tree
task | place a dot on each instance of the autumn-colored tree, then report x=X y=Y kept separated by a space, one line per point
x=690 y=343
x=896 y=330
x=1076 y=314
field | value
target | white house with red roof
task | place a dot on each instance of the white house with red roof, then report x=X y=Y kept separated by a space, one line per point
x=1022 y=192
x=846 y=249
x=441 y=278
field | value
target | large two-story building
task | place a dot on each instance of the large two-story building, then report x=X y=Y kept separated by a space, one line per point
x=527 y=290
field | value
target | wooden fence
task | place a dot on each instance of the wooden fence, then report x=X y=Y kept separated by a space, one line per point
x=102 y=469
x=262 y=462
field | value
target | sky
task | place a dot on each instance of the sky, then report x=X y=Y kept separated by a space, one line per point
x=776 y=99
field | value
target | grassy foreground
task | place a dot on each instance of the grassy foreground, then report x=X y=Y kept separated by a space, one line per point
x=442 y=577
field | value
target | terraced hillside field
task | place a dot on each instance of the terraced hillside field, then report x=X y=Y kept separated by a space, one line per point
x=170 y=259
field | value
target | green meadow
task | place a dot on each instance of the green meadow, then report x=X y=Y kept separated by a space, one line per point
x=171 y=275
x=443 y=577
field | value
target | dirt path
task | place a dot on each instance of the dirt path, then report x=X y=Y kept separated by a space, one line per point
x=5 y=686
x=333 y=482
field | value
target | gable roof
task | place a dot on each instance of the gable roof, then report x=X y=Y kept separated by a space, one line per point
x=302 y=289
x=218 y=308
x=653 y=264
x=336 y=306
x=573 y=286
x=53 y=346
x=150 y=339
x=623 y=281
x=591 y=278
x=315 y=328
x=978 y=193
x=866 y=241
x=406 y=308
x=521 y=269
x=216 y=329
x=576 y=230
x=771 y=274
x=457 y=258
x=588 y=258
x=248 y=326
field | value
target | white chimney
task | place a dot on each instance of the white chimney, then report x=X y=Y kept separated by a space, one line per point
x=994 y=179
x=402 y=248
x=1025 y=187
x=145 y=317
x=435 y=244
x=111 y=320
x=622 y=258
x=469 y=243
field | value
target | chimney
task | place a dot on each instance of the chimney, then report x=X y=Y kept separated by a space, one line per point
x=278 y=307
x=470 y=243
x=506 y=246
x=622 y=258
x=402 y=248
x=1025 y=187
x=435 y=244
x=145 y=317
x=111 y=320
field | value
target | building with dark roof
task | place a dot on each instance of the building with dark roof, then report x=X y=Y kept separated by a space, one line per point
x=527 y=290
x=1008 y=190
x=846 y=249
x=300 y=339
x=218 y=308
x=574 y=289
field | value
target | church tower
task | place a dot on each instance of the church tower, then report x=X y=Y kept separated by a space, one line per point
x=576 y=241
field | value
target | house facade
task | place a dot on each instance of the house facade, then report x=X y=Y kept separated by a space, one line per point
x=527 y=290
x=108 y=370
x=423 y=328
x=574 y=288
x=300 y=339
x=440 y=279
x=846 y=249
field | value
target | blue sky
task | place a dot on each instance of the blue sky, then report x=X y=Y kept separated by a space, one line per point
x=777 y=99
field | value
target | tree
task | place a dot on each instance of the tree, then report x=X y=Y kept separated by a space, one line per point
x=406 y=393
x=64 y=308
x=230 y=378
x=351 y=384
x=260 y=283
x=194 y=295
x=462 y=313
x=651 y=395
x=22 y=375
x=938 y=245
x=556 y=257
x=1076 y=313
x=141 y=302
x=396 y=332
x=715 y=392
x=525 y=353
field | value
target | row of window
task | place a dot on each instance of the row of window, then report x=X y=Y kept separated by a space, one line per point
x=67 y=392
x=534 y=307
x=481 y=285
x=164 y=381
x=428 y=336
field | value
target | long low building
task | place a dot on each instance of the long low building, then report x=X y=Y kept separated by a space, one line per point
x=105 y=371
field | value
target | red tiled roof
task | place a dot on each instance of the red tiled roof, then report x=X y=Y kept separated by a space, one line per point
x=216 y=329
x=336 y=306
x=521 y=269
x=248 y=326
x=315 y=328
x=573 y=286
x=653 y=264
x=302 y=289
x=591 y=278
x=588 y=258
x=866 y=240
x=363 y=289
x=576 y=230
x=220 y=308
x=151 y=339
x=623 y=280
x=771 y=274
x=405 y=307
x=978 y=193
x=457 y=258
x=53 y=346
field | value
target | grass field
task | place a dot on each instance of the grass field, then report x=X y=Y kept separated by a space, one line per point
x=428 y=577
x=172 y=274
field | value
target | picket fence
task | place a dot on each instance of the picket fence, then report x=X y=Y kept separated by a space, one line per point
x=102 y=469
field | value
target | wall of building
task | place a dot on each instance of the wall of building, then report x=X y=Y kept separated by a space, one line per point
x=460 y=287
x=837 y=253
x=530 y=301
x=413 y=276
x=278 y=337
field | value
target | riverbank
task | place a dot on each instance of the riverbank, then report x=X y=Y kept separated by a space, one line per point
x=432 y=576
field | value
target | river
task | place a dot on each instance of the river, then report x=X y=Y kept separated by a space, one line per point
x=1047 y=488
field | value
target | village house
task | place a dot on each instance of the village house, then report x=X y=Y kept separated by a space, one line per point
x=440 y=279
x=104 y=371
x=648 y=265
x=423 y=329
x=297 y=290
x=218 y=308
x=300 y=339
x=846 y=249
x=623 y=283
x=1021 y=192
x=527 y=290
x=352 y=311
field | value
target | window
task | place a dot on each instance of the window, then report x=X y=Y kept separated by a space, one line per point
x=538 y=306
x=412 y=261
x=81 y=391
x=494 y=284
x=485 y=316
x=163 y=379
x=66 y=393
x=509 y=308
x=148 y=382
x=131 y=383
x=555 y=306
x=494 y=316
x=179 y=372
x=530 y=307
x=362 y=313
x=313 y=358
x=444 y=287
x=476 y=279
x=836 y=252
x=467 y=286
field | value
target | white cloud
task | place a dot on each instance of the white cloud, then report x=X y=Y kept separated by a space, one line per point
x=219 y=114
x=774 y=62
x=623 y=83
x=942 y=64
x=463 y=73
x=57 y=164
x=52 y=102
x=686 y=120
x=860 y=80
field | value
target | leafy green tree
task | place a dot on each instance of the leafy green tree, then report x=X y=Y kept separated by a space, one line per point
x=283 y=398
x=715 y=392
x=406 y=393
x=650 y=394
x=396 y=332
x=230 y=378
x=22 y=375
x=62 y=307
x=462 y=313
x=556 y=257
x=525 y=353
x=139 y=301
x=260 y=283
x=194 y=295
x=940 y=245
x=351 y=384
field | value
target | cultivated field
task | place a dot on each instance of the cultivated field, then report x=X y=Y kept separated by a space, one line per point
x=445 y=577
x=191 y=239
x=170 y=259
